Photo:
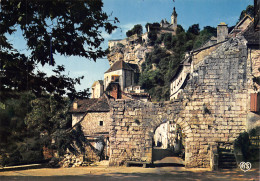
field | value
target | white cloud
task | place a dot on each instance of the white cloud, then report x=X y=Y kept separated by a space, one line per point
x=120 y=32
x=106 y=35
x=77 y=73
x=129 y=26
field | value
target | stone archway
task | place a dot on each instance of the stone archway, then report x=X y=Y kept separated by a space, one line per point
x=183 y=138
x=168 y=149
x=134 y=124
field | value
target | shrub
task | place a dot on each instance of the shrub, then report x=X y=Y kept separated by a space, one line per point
x=243 y=144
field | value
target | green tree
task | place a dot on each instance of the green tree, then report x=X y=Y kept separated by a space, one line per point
x=68 y=28
x=248 y=11
x=50 y=118
x=137 y=29
x=194 y=29
x=179 y=29
x=152 y=38
x=12 y=115
x=157 y=82
x=13 y=130
x=152 y=26
x=129 y=33
x=167 y=40
x=204 y=36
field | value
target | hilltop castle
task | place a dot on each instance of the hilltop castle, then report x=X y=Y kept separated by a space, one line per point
x=165 y=26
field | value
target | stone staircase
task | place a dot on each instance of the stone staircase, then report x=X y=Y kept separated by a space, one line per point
x=226 y=159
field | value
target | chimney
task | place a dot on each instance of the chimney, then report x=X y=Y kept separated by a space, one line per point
x=222 y=32
x=75 y=105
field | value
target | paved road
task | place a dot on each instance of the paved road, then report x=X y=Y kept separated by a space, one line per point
x=104 y=173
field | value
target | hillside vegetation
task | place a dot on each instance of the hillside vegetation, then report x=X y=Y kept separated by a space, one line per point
x=162 y=63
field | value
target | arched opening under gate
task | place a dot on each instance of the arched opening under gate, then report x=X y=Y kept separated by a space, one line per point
x=168 y=145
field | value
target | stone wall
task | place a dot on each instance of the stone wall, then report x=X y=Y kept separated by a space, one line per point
x=76 y=117
x=255 y=61
x=217 y=107
x=213 y=108
x=201 y=54
x=91 y=123
x=253 y=119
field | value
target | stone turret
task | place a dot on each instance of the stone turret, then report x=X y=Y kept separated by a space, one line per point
x=174 y=17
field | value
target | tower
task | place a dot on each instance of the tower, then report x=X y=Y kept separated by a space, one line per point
x=174 y=18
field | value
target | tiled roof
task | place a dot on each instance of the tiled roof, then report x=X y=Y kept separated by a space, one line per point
x=102 y=105
x=236 y=28
x=251 y=35
x=91 y=105
x=143 y=94
x=118 y=66
x=134 y=67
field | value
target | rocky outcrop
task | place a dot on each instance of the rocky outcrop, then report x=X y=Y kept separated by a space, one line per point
x=71 y=160
x=131 y=50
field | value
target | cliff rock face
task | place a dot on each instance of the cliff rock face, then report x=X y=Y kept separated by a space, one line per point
x=131 y=50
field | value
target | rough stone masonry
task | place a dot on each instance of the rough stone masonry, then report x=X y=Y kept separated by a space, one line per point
x=213 y=107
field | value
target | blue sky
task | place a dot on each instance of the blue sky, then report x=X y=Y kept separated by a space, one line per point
x=131 y=12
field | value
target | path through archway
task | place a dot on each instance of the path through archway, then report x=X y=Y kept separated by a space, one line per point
x=168 y=145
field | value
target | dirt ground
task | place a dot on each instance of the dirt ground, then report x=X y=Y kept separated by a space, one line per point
x=103 y=173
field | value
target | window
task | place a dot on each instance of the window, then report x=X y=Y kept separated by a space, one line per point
x=100 y=123
x=115 y=78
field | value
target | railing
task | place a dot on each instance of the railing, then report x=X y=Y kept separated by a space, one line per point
x=226 y=146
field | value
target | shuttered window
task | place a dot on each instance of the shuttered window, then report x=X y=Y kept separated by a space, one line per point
x=254 y=102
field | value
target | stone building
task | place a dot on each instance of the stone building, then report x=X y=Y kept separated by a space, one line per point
x=93 y=114
x=178 y=82
x=120 y=82
x=94 y=117
x=161 y=136
x=241 y=25
x=97 y=89
x=114 y=91
x=122 y=73
x=165 y=26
